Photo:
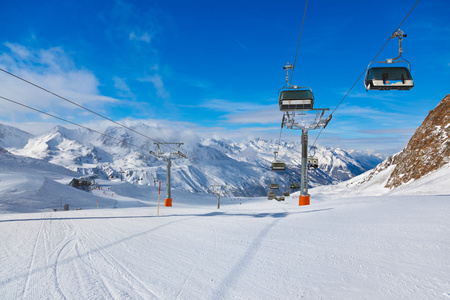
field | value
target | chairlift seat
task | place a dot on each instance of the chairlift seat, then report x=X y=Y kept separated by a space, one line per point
x=388 y=78
x=296 y=100
x=313 y=162
x=294 y=185
x=278 y=166
x=271 y=195
x=274 y=186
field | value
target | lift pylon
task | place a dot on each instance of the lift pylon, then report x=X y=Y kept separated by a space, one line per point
x=168 y=156
x=305 y=122
x=217 y=189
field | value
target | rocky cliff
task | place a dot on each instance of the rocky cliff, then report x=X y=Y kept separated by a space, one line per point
x=427 y=150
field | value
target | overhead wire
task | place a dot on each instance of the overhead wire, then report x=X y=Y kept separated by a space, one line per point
x=298 y=43
x=81 y=106
x=73 y=123
x=78 y=105
x=96 y=131
x=295 y=60
x=362 y=74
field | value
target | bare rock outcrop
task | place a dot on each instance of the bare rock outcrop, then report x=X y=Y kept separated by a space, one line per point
x=427 y=150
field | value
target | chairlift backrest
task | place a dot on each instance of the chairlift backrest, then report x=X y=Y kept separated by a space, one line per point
x=295 y=185
x=278 y=166
x=389 y=77
x=389 y=73
x=296 y=94
x=274 y=186
x=299 y=99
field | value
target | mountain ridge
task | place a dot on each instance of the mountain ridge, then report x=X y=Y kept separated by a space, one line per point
x=243 y=166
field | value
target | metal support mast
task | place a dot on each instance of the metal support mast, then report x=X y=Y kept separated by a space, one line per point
x=304 y=178
x=168 y=156
x=307 y=122
x=216 y=189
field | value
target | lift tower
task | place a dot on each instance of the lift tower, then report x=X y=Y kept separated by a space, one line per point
x=168 y=156
x=307 y=122
x=217 y=189
x=294 y=99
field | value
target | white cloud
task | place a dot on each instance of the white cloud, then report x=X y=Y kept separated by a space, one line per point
x=229 y=106
x=144 y=37
x=123 y=89
x=268 y=115
x=158 y=83
x=51 y=69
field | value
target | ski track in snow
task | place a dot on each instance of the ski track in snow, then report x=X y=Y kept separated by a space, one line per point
x=118 y=268
x=387 y=247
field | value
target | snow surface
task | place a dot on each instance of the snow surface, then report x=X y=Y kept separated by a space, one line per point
x=345 y=245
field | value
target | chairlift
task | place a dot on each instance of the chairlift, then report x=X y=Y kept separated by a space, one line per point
x=294 y=98
x=286 y=194
x=390 y=77
x=271 y=195
x=274 y=186
x=313 y=162
x=294 y=185
x=278 y=165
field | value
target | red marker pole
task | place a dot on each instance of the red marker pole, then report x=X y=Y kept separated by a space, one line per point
x=159 y=194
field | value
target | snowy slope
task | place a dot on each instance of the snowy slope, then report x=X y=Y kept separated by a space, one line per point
x=386 y=247
x=348 y=244
x=373 y=183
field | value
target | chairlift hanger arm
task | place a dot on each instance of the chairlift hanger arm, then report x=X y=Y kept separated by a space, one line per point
x=288 y=67
x=400 y=35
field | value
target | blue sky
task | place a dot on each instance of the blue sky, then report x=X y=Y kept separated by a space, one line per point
x=216 y=66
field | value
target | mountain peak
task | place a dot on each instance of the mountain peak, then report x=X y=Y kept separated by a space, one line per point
x=13 y=137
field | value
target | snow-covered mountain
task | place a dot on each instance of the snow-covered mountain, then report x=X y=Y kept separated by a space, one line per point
x=244 y=167
x=13 y=137
x=427 y=155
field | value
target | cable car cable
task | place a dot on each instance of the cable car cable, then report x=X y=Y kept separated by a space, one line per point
x=73 y=123
x=298 y=43
x=76 y=104
x=362 y=74
x=93 y=130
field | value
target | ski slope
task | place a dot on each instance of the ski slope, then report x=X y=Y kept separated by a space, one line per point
x=381 y=247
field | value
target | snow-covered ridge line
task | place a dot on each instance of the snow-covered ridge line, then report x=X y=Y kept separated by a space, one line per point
x=243 y=166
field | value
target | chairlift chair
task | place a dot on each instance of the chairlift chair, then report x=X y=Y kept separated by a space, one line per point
x=278 y=165
x=313 y=162
x=294 y=185
x=388 y=78
x=271 y=195
x=274 y=186
x=280 y=198
x=296 y=99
